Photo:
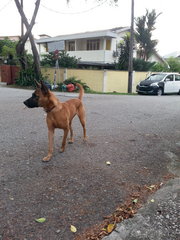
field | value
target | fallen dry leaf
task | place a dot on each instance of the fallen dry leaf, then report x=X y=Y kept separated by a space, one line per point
x=110 y=227
x=108 y=163
x=73 y=229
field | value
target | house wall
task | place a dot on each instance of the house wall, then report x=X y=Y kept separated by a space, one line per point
x=137 y=77
x=97 y=80
x=49 y=73
x=117 y=81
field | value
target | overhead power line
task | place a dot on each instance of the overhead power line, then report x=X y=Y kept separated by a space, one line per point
x=70 y=13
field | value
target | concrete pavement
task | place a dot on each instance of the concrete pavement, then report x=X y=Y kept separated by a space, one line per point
x=157 y=220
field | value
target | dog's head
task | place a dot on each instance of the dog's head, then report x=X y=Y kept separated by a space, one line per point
x=39 y=97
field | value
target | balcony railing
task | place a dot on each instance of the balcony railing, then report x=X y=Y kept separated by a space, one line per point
x=100 y=56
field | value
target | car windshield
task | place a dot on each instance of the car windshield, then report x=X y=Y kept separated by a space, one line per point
x=156 y=77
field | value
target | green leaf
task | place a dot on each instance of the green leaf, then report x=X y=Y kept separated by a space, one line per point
x=135 y=200
x=40 y=220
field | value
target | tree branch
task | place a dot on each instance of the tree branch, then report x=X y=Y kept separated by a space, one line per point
x=29 y=34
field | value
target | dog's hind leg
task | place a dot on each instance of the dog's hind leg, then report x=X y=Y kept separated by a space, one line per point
x=66 y=130
x=82 y=118
x=71 y=140
x=50 y=145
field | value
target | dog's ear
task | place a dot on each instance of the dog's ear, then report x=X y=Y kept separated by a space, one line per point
x=44 y=88
x=37 y=84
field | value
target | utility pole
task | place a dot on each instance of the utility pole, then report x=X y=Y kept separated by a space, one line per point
x=130 y=64
x=22 y=25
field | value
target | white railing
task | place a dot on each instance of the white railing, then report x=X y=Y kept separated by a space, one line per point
x=99 y=56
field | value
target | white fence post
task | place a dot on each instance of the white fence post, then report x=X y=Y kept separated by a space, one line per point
x=65 y=74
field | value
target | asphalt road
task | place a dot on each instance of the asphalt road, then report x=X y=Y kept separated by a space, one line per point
x=77 y=187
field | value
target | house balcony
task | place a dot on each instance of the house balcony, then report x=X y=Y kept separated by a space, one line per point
x=96 y=56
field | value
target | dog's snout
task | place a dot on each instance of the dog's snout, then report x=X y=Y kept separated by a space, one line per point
x=25 y=103
x=31 y=102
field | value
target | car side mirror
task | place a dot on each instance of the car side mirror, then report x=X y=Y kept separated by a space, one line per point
x=167 y=79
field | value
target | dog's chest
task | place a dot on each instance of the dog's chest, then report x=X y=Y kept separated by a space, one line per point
x=57 y=121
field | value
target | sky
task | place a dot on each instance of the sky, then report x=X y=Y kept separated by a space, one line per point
x=56 y=17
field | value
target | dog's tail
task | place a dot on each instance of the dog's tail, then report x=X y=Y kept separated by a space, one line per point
x=81 y=90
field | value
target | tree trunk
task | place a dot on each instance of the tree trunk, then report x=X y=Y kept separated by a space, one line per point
x=20 y=46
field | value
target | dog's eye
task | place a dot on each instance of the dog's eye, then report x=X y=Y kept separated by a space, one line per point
x=34 y=96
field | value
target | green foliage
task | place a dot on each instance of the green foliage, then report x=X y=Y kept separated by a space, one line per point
x=26 y=77
x=64 y=60
x=174 y=66
x=141 y=65
x=144 y=27
x=159 y=67
x=123 y=59
x=138 y=64
x=8 y=51
x=73 y=80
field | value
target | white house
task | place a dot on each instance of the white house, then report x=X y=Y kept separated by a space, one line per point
x=173 y=54
x=98 y=47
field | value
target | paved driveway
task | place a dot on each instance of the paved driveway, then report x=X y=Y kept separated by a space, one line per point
x=137 y=134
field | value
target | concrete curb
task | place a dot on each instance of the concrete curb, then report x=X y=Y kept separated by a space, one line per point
x=157 y=220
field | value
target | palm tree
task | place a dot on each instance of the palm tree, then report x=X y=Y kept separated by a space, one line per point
x=144 y=27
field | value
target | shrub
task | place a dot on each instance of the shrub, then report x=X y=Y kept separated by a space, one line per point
x=64 y=60
x=73 y=80
x=26 y=77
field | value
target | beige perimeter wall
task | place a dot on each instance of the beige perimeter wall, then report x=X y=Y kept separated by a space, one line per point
x=97 y=80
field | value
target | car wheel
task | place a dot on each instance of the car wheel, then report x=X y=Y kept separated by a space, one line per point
x=160 y=92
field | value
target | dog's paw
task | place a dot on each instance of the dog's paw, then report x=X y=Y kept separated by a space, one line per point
x=62 y=150
x=71 y=141
x=47 y=158
x=85 y=139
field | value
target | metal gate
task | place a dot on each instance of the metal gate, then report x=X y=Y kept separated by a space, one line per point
x=9 y=73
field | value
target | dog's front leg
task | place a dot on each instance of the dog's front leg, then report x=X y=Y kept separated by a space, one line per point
x=50 y=145
x=66 y=130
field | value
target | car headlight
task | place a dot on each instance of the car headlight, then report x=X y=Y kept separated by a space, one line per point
x=154 y=84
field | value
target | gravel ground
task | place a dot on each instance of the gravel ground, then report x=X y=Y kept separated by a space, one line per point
x=77 y=187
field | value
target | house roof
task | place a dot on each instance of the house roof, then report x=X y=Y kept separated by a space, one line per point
x=112 y=33
x=173 y=54
x=12 y=38
x=162 y=59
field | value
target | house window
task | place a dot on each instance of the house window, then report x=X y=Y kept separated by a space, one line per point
x=93 y=44
x=108 y=44
x=71 y=46
x=45 y=47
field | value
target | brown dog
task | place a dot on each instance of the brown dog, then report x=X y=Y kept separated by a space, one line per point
x=59 y=115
